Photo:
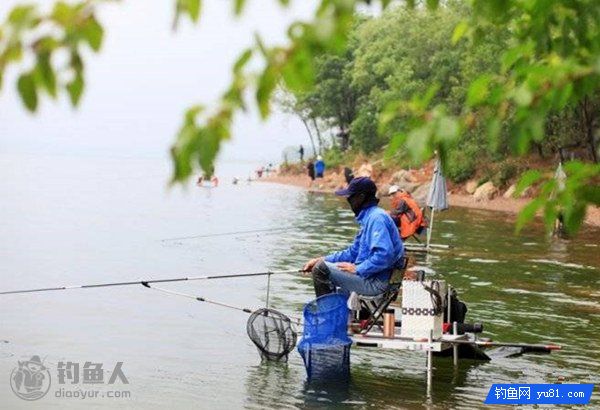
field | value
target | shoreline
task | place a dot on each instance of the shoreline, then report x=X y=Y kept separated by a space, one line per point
x=498 y=204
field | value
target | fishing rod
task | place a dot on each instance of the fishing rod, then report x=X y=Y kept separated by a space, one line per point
x=527 y=346
x=141 y=282
x=296 y=320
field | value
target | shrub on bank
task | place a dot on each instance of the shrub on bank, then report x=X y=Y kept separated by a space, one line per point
x=461 y=165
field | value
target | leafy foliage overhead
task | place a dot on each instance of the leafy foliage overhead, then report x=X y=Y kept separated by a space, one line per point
x=552 y=61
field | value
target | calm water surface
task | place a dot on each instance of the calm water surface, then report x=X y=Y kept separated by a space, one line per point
x=72 y=221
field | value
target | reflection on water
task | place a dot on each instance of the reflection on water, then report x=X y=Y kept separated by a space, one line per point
x=85 y=224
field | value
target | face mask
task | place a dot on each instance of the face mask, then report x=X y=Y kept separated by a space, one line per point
x=356 y=202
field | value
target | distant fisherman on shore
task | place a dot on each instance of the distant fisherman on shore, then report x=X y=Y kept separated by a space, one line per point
x=310 y=167
x=319 y=167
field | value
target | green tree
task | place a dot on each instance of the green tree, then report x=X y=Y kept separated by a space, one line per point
x=551 y=63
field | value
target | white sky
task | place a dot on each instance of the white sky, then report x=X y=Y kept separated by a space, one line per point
x=143 y=79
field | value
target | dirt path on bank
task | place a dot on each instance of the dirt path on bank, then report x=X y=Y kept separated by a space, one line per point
x=497 y=204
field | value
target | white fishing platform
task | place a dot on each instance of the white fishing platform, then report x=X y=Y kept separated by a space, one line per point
x=376 y=339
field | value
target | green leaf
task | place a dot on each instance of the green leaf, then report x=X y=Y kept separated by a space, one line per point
x=23 y=16
x=45 y=74
x=395 y=144
x=242 y=61
x=536 y=123
x=419 y=143
x=478 y=90
x=447 y=129
x=298 y=72
x=574 y=216
x=522 y=95
x=591 y=194
x=385 y=3
x=28 y=91
x=239 y=7
x=266 y=85
x=528 y=213
x=93 y=34
x=527 y=179
x=191 y=8
x=75 y=89
x=192 y=113
x=432 y=4
x=459 y=31
x=63 y=13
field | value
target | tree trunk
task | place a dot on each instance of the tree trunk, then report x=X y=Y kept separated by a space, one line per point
x=319 y=138
x=588 y=123
x=312 y=140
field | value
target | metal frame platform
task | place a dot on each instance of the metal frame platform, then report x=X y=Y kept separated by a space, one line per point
x=375 y=339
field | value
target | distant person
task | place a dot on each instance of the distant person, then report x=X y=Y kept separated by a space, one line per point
x=319 y=167
x=310 y=167
x=365 y=170
x=301 y=152
x=405 y=212
x=348 y=175
x=260 y=171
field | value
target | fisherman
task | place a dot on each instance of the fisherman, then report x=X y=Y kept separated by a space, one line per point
x=366 y=266
x=405 y=212
x=319 y=167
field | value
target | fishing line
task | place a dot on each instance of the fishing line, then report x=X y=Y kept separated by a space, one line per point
x=270 y=330
x=198 y=298
x=297 y=321
x=211 y=235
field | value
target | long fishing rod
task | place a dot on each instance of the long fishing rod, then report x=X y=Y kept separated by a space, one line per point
x=297 y=321
x=530 y=347
x=141 y=282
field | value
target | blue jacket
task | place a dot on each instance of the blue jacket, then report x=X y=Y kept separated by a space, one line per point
x=377 y=248
x=319 y=167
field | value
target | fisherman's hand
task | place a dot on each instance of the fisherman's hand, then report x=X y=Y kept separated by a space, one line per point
x=347 y=267
x=310 y=264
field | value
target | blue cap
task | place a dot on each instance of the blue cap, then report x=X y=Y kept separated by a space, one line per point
x=357 y=186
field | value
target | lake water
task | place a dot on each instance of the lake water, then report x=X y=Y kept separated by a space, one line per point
x=89 y=220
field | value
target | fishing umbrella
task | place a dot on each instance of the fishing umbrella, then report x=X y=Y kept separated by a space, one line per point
x=560 y=177
x=437 y=199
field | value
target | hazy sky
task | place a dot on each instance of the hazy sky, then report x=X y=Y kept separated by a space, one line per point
x=144 y=78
